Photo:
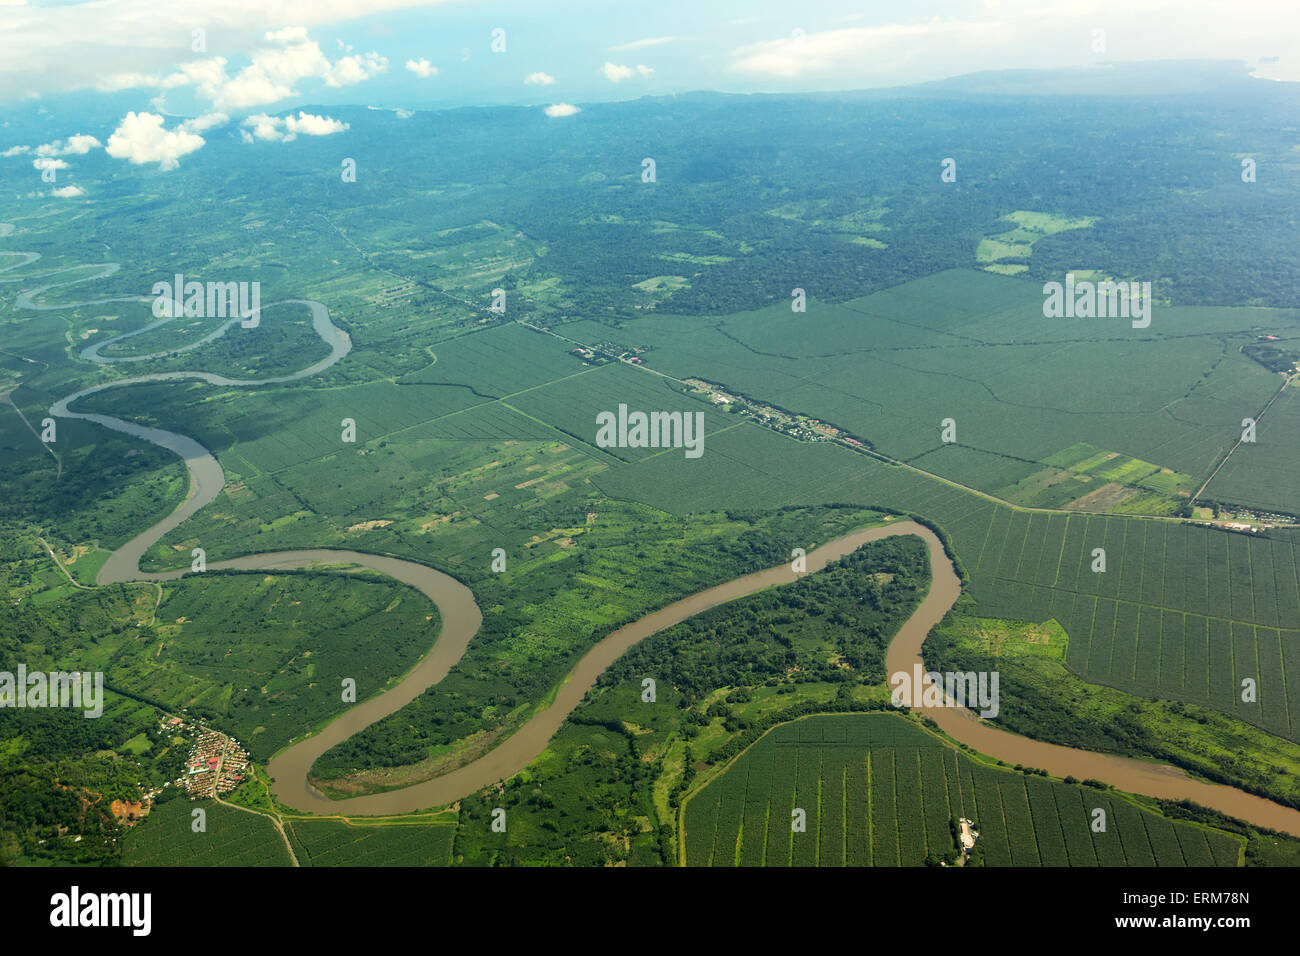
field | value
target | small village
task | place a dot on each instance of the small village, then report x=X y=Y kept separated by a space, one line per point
x=800 y=427
x=216 y=763
x=604 y=352
x=1247 y=521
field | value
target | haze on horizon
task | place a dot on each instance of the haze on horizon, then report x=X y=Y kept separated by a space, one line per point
x=147 y=81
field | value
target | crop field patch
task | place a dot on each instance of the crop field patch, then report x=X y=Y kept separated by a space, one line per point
x=879 y=790
x=336 y=843
x=232 y=837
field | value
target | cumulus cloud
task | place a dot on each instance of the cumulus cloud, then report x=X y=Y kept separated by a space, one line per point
x=142 y=138
x=561 y=109
x=616 y=73
x=356 y=69
x=422 y=68
x=208 y=76
x=68 y=192
x=77 y=145
x=16 y=151
x=271 y=76
x=277 y=129
x=43 y=163
x=539 y=79
x=201 y=124
x=310 y=125
x=288 y=34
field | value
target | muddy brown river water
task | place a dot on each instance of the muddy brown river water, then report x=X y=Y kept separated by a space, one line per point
x=460 y=620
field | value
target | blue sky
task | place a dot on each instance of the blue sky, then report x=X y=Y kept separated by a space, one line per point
x=166 y=72
x=728 y=45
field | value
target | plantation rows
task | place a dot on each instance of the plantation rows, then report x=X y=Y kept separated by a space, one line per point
x=879 y=791
x=890 y=366
x=331 y=843
x=1182 y=611
x=232 y=838
x=498 y=361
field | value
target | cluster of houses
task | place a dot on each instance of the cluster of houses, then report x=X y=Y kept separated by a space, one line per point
x=800 y=427
x=217 y=764
x=605 y=351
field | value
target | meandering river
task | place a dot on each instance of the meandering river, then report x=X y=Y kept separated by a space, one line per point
x=460 y=619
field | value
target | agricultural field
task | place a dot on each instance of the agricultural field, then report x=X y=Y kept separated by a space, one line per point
x=1082 y=447
x=1273 y=453
x=878 y=790
x=1182 y=610
x=975 y=347
x=338 y=843
x=232 y=837
x=1043 y=698
x=266 y=654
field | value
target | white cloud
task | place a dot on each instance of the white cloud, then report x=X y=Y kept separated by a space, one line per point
x=1005 y=34
x=288 y=35
x=68 y=192
x=201 y=124
x=208 y=76
x=648 y=41
x=422 y=68
x=45 y=163
x=271 y=75
x=539 y=79
x=115 y=82
x=562 y=109
x=251 y=88
x=77 y=145
x=16 y=151
x=616 y=73
x=59 y=46
x=356 y=69
x=265 y=128
x=276 y=129
x=310 y=125
x=802 y=53
x=141 y=138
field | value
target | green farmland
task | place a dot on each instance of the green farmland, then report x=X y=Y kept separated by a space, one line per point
x=880 y=791
x=336 y=843
x=1128 y=565
x=232 y=838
